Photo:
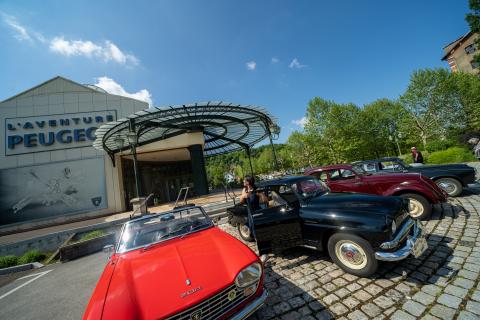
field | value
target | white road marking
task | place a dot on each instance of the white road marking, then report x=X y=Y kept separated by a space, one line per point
x=35 y=277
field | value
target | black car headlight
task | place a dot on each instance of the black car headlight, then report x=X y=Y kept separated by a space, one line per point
x=249 y=275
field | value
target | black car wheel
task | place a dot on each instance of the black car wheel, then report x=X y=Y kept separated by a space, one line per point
x=451 y=186
x=245 y=232
x=419 y=207
x=353 y=254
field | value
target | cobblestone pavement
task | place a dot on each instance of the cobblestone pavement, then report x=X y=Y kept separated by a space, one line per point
x=442 y=284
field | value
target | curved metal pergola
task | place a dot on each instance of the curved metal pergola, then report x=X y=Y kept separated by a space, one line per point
x=226 y=127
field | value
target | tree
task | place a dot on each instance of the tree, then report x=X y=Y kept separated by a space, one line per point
x=383 y=126
x=473 y=19
x=335 y=129
x=432 y=104
x=468 y=89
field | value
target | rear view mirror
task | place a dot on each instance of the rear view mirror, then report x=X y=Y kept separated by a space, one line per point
x=108 y=249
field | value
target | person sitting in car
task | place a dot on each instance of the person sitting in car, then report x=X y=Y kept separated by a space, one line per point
x=250 y=192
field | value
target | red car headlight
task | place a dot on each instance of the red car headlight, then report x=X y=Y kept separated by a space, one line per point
x=249 y=275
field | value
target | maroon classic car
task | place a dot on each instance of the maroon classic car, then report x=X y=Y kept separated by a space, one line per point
x=420 y=190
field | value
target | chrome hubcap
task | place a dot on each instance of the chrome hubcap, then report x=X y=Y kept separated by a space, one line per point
x=447 y=186
x=245 y=230
x=351 y=254
x=415 y=208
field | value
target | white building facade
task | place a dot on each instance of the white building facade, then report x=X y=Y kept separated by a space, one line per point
x=49 y=170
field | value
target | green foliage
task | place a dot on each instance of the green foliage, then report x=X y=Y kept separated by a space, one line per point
x=92 y=235
x=31 y=256
x=8 y=261
x=451 y=155
x=438 y=145
x=473 y=19
x=468 y=91
x=437 y=108
x=433 y=104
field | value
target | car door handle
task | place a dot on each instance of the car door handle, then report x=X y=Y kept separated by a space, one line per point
x=358 y=183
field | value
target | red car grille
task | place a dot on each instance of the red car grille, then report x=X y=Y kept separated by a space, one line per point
x=215 y=306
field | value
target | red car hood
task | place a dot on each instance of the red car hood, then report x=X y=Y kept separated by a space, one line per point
x=152 y=284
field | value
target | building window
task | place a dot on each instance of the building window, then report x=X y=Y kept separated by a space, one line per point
x=474 y=64
x=470 y=49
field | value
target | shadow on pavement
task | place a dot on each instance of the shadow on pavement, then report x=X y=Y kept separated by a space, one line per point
x=293 y=300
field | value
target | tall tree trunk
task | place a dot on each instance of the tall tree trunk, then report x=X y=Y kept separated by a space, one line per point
x=424 y=141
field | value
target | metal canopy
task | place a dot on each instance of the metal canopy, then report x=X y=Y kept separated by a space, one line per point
x=226 y=127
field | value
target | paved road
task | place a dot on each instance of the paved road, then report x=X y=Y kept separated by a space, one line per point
x=442 y=284
x=59 y=291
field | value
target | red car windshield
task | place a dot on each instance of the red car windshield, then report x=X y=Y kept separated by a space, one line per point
x=148 y=230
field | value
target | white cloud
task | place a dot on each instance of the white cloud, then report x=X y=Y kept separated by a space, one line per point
x=251 y=65
x=275 y=60
x=113 y=87
x=106 y=51
x=295 y=64
x=21 y=32
x=300 y=122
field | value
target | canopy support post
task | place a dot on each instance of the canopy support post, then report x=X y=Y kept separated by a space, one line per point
x=277 y=167
x=247 y=150
x=133 y=148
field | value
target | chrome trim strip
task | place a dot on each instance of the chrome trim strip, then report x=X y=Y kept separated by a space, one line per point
x=406 y=250
x=252 y=307
x=401 y=234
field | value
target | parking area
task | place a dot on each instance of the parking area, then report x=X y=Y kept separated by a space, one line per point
x=442 y=284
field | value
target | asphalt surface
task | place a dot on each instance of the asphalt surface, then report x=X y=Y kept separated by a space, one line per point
x=59 y=291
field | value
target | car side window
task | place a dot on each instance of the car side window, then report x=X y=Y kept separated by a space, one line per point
x=322 y=176
x=342 y=174
x=390 y=166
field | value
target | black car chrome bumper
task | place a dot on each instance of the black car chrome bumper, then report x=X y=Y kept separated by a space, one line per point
x=415 y=244
x=252 y=307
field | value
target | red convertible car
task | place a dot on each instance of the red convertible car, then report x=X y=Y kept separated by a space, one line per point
x=178 y=265
x=420 y=190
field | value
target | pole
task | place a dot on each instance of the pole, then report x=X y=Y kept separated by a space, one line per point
x=247 y=149
x=277 y=168
x=133 y=148
x=135 y=170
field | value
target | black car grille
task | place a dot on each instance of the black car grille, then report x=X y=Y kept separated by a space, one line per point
x=213 y=307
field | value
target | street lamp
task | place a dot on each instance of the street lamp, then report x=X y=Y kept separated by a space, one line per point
x=119 y=142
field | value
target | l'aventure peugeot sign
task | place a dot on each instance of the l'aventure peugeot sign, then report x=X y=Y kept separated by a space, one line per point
x=53 y=132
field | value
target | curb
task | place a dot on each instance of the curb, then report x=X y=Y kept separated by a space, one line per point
x=22 y=267
x=219 y=212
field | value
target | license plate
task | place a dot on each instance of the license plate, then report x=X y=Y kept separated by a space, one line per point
x=419 y=247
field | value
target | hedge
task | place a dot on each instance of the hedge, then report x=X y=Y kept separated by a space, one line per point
x=451 y=155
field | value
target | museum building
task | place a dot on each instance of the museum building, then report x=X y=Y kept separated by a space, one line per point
x=66 y=153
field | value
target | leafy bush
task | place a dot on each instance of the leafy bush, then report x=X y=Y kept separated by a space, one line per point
x=438 y=145
x=92 y=235
x=8 y=261
x=31 y=256
x=407 y=158
x=451 y=155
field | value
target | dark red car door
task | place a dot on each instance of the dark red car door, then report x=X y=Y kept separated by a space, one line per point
x=345 y=180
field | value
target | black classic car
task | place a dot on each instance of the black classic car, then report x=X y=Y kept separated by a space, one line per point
x=356 y=230
x=450 y=177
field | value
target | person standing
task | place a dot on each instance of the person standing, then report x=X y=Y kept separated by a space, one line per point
x=417 y=155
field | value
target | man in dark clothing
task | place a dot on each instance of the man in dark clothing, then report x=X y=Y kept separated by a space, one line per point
x=417 y=156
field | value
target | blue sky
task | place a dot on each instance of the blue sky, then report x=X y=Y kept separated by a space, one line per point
x=276 y=54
